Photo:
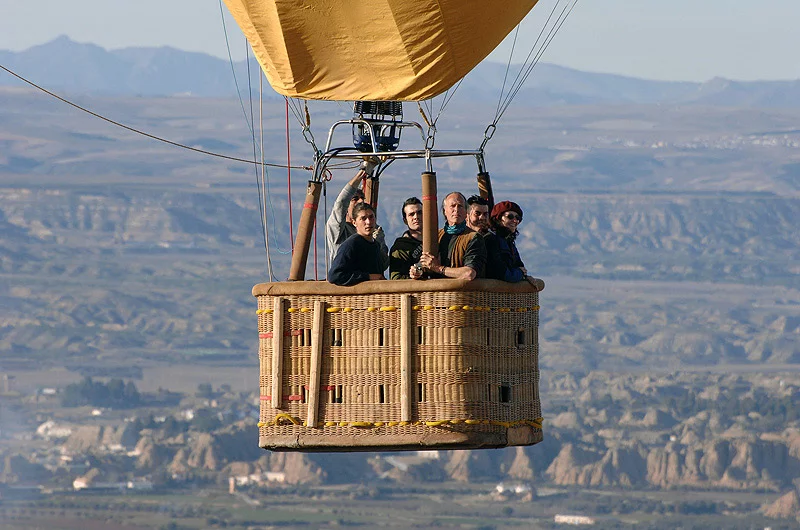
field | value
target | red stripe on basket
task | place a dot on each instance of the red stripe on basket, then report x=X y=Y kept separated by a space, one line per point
x=295 y=333
x=330 y=387
x=429 y=198
x=294 y=398
x=265 y=398
x=265 y=335
x=310 y=205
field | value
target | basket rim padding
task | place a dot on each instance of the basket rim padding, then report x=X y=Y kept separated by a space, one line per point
x=325 y=288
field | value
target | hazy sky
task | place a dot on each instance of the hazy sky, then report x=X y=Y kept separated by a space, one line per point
x=692 y=40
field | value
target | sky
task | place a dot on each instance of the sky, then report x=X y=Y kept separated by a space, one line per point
x=673 y=40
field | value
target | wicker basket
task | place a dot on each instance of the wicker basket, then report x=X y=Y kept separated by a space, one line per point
x=398 y=365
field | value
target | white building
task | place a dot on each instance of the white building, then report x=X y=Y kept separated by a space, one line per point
x=574 y=520
x=49 y=430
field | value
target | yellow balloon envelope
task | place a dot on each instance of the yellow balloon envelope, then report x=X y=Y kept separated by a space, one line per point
x=373 y=49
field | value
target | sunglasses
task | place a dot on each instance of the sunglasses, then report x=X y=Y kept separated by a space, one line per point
x=512 y=217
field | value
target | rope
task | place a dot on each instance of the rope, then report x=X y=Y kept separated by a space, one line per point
x=255 y=155
x=230 y=61
x=264 y=194
x=316 y=267
x=140 y=132
x=508 y=67
x=289 y=176
x=527 y=67
x=325 y=206
x=261 y=186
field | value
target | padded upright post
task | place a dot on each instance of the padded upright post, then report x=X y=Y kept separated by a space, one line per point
x=485 y=188
x=305 y=231
x=371 y=193
x=430 y=214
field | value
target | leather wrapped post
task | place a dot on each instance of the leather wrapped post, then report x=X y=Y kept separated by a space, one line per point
x=485 y=188
x=430 y=214
x=371 y=193
x=305 y=231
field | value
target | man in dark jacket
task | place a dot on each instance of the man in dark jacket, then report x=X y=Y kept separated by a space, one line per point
x=407 y=248
x=478 y=220
x=360 y=257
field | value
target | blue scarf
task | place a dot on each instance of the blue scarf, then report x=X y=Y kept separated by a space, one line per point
x=455 y=229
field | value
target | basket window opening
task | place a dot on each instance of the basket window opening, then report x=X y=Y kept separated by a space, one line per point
x=336 y=336
x=304 y=395
x=520 y=337
x=304 y=337
x=420 y=392
x=488 y=337
x=381 y=336
x=338 y=396
x=505 y=393
x=420 y=335
x=382 y=393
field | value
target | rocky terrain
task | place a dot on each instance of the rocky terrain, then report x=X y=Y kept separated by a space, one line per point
x=670 y=324
x=684 y=431
x=632 y=282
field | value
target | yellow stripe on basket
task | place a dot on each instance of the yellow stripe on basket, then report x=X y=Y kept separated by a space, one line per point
x=282 y=418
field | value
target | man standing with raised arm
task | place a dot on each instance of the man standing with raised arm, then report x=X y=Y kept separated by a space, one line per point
x=340 y=222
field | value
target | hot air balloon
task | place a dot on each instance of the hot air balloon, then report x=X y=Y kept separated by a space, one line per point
x=402 y=364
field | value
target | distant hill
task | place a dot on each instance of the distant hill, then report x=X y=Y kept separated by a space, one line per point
x=66 y=65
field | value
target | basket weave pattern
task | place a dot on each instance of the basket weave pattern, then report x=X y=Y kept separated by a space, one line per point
x=472 y=368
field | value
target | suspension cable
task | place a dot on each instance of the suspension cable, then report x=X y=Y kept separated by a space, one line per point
x=262 y=184
x=289 y=176
x=233 y=69
x=528 y=66
x=140 y=132
x=325 y=207
x=546 y=24
x=508 y=67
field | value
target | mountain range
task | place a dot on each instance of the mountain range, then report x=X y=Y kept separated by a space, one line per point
x=68 y=66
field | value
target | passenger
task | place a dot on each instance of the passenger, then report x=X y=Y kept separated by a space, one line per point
x=478 y=220
x=339 y=226
x=407 y=248
x=506 y=217
x=462 y=252
x=478 y=214
x=360 y=257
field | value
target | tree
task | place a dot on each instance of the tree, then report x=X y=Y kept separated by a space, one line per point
x=204 y=390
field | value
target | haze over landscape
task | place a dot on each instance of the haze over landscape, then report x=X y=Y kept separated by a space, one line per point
x=662 y=216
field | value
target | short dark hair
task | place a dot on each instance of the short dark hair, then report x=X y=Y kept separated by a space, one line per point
x=409 y=202
x=477 y=199
x=358 y=196
x=360 y=207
